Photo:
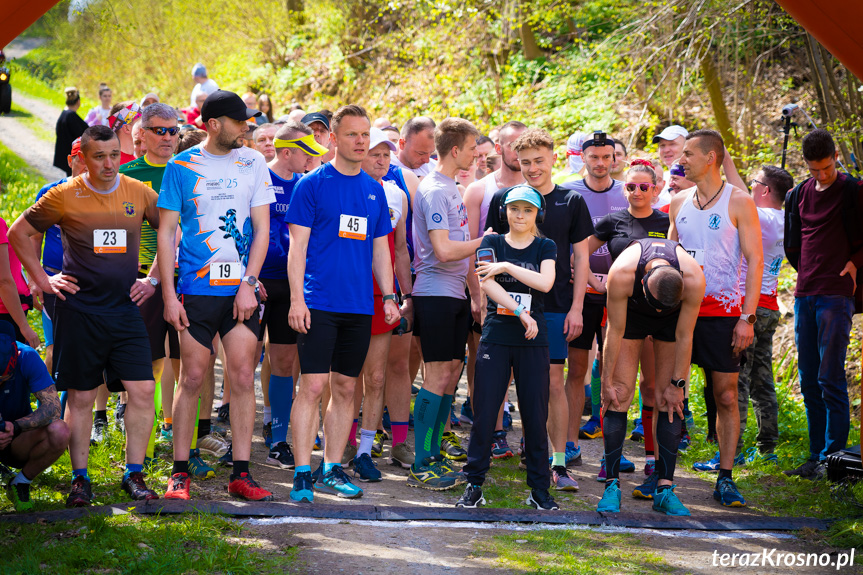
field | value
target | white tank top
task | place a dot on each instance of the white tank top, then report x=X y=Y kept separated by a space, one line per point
x=772 y=234
x=395 y=195
x=709 y=237
x=489 y=189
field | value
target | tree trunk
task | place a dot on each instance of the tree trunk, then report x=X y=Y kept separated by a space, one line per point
x=720 y=112
x=528 y=42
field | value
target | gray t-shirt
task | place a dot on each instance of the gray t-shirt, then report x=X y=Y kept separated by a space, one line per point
x=438 y=206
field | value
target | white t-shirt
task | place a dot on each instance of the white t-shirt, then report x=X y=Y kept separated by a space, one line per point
x=420 y=172
x=207 y=88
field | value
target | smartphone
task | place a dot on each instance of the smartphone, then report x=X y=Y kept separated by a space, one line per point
x=485 y=255
x=403 y=327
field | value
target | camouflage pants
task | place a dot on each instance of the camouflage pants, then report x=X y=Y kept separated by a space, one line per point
x=756 y=383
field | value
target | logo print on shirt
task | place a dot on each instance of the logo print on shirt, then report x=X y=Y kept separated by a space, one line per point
x=371 y=197
x=559 y=203
x=775 y=266
x=129 y=209
x=713 y=221
x=683 y=220
x=437 y=218
x=78 y=194
x=245 y=165
x=242 y=241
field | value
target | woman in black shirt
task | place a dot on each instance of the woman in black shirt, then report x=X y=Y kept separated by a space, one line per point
x=69 y=128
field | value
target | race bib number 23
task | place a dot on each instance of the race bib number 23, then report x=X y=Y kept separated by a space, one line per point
x=109 y=241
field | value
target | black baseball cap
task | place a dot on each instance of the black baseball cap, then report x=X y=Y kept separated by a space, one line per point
x=310 y=119
x=224 y=103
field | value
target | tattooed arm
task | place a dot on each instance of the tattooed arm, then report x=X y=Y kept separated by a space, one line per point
x=47 y=412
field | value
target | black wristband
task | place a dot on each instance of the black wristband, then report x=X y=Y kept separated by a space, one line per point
x=16 y=429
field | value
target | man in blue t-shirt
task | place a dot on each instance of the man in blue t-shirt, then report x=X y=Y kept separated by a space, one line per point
x=222 y=192
x=30 y=441
x=295 y=149
x=339 y=222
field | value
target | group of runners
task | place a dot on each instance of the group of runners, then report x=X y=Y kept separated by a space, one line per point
x=349 y=258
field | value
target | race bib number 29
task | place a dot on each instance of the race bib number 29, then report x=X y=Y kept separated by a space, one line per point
x=524 y=299
x=352 y=227
x=225 y=274
x=109 y=241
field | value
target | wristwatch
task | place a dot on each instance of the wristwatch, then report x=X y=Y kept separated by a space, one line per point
x=251 y=280
x=518 y=311
x=16 y=429
x=392 y=297
x=678 y=383
x=153 y=281
x=748 y=318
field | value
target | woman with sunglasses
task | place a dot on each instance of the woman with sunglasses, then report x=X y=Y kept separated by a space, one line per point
x=515 y=271
x=619 y=229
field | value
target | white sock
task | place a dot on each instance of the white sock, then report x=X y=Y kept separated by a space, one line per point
x=366 y=439
x=268 y=414
x=21 y=478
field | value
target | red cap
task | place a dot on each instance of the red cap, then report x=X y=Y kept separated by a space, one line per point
x=76 y=147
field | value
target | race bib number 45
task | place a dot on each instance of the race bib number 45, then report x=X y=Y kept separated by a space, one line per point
x=352 y=227
x=109 y=241
x=225 y=273
x=524 y=299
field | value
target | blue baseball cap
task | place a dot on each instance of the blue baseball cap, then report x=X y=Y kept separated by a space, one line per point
x=523 y=193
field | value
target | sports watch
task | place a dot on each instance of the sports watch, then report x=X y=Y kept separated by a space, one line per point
x=748 y=318
x=519 y=310
x=393 y=297
x=678 y=383
x=251 y=280
x=153 y=281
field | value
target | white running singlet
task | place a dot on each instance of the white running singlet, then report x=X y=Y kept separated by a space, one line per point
x=395 y=196
x=772 y=234
x=490 y=189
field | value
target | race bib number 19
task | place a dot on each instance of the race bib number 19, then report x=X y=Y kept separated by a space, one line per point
x=109 y=241
x=352 y=227
x=522 y=298
x=225 y=273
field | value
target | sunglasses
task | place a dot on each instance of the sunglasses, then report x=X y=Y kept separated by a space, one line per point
x=644 y=187
x=161 y=131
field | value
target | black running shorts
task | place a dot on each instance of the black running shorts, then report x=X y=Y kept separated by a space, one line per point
x=212 y=314
x=276 y=309
x=335 y=342
x=639 y=326
x=711 y=344
x=592 y=315
x=153 y=312
x=444 y=323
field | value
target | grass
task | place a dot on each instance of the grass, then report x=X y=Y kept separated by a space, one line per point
x=191 y=543
x=506 y=487
x=34 y=124
x=572 y=552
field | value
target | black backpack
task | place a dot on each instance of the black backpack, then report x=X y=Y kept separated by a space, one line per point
x=852 y=221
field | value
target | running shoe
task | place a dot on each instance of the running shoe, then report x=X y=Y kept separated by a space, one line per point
x=215 y=427
x=430 y=475
x=318 y=473
x=710 y=465
x=499 y=447
x=626 y=466
x=267 y=433
x=711 y=439
x=740 y=459
x=561 y=480
x=507 y=421
x=365 y=469
x=81 y=494
x=471 y=498
x=134 y=485
x=646 y=489
x=805 y=471
x=228 y=458
x=302 y=489
x=649 y=467
x=755 y=456
x=319 y=444
x=167 y=432
x=281 y=455
x=466 y=415
x=336 y=482
x=688 y=419
x=665 y=501
x=386 y=422
x=378 y=444
x=213 y=444
x=223 y=414
x=19 y=495
x=601 y=476
x=453 y=418
x=727 y=494
x=522 y=456
x=450 y=446
x=540 y=499
x=349 y=454
x=198 y=468
x=119 y=417
x=178 y=486
x=638 y=432
x=410 y=421
x=97 y=435
x=573 y=455
x=149 y=462
x=415 y=389
x=610 y=502
x=401 y=455
x=590 y=430
x=242 y=486
x=685 y=442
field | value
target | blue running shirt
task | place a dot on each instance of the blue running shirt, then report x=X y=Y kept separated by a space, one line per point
x=214 y=195
x=52 y=252
x=345 y=214
x=276 y=264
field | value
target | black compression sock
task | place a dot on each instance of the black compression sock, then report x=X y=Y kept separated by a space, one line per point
x=667 y=440
x=614 y=432
x=710 y=404
x=180 y=467
x=724 y=473
x=240 y=467
x=101 y=415
x=203 y=428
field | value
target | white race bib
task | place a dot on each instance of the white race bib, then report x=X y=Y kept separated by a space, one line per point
x=602 y=279
x=698 y=255
x=522 y=298
x=225 y=273
x=352 y=227
x=109 y=241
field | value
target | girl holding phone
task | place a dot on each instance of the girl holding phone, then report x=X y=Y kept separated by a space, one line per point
x=514 y=277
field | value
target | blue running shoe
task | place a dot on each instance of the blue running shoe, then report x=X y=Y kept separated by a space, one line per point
x=626 y=466
x=507 y=421
x=712 y=465
x=685 y=442
x=319 y=444
x=385 y=420
x=727 y=494
x=466 y=415
x=638 y=432
x=338 y=483
x=646 y=489
x=610 y=502
x=740 y=459
x=197 y=468
x=573 y=455
x=410 y=421
x=365 y=469
x=649 y=467
x=317 y=473
x=590 y=430
x=601 y=476
x=228 y=458
x=754 y=456
x=665 y=501
x=302 y=490
x=267 y=432
x=453 y=418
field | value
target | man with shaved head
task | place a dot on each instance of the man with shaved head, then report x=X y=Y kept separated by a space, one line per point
x=416 y=147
